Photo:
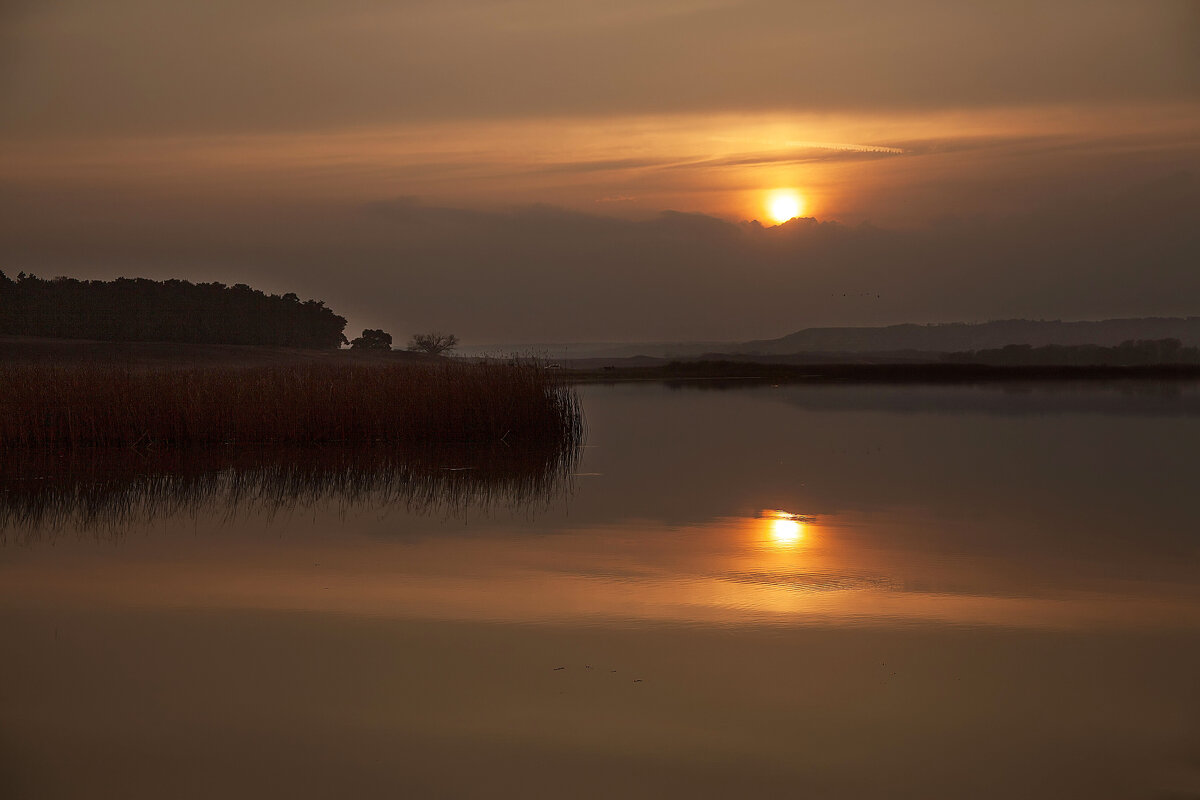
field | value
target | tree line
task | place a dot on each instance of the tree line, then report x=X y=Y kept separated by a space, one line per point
x=143 y=310
x=1127 y=354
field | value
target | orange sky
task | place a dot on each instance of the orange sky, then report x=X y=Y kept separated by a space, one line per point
x=845 y=166
x=245 y=143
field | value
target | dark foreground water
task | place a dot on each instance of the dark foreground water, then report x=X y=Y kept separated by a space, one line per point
x=765 y=591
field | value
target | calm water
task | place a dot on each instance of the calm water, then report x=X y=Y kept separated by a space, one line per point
x=772 y=591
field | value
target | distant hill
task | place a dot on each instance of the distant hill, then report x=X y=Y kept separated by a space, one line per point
x=909 y=343
x=958 y=337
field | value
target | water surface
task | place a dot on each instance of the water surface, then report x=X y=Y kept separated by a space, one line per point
x=789 y=591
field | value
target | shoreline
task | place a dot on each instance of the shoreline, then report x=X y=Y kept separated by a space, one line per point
x=735 y=371
x=38 y=351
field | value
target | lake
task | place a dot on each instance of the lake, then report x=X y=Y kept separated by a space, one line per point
x=781 y=591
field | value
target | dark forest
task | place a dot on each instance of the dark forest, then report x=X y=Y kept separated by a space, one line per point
x=143 y=310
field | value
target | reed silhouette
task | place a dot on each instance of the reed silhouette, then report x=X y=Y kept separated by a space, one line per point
x=79 y=406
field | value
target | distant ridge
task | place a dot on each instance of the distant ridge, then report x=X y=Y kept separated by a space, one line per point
x=960 y=336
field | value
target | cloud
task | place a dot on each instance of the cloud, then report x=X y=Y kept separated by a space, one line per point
x=795 y=156
x=895 y=169
x=602 y=165
x=791 y=153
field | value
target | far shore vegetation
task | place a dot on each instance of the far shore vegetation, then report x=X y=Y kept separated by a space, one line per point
x=1130 y=353
x=945 y=372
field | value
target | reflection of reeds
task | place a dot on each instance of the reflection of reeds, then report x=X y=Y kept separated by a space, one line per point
x=106 y=489
x=295 y=403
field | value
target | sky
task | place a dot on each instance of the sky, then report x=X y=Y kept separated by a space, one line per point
x=557 y=171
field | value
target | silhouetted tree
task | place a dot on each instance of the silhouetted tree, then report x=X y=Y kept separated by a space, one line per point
x=372 y=339
x=433 y=343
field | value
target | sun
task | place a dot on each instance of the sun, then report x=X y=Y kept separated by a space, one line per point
x=784 y=204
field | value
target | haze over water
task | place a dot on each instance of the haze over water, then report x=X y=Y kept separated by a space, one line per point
x=833 y=591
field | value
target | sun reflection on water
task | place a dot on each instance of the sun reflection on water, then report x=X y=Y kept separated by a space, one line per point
x=783 y=528
x=786 y=531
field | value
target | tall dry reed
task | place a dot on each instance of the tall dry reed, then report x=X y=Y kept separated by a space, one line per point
x=451 y=402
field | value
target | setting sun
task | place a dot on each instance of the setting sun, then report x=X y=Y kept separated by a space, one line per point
x=784 y=204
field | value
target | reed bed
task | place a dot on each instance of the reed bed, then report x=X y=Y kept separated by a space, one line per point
x=82 y=406
x=105 y=490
